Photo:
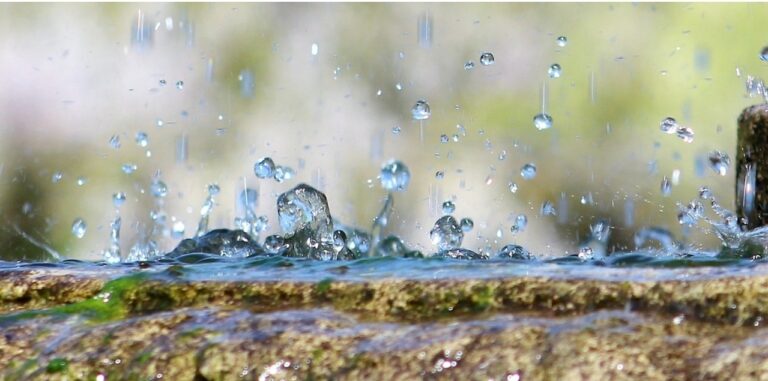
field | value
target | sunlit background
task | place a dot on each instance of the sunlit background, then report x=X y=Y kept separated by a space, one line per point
x=327 y=90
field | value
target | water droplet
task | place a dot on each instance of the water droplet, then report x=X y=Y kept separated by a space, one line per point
x=159 y=122
x=339 y=241
x=118 y=199
x=512 y=187
x=719 y=162
x=562 y=41
x=669 y=125
x=542 y=121
x=469 y=65
x=466 y=224
x=315 y=49
x=162 y=82
x=379 y=92
x=305 y=218
x=666 y=187
x=443 y=138
x=448 y=207
x=396 y=130
x=78 y=228
x=685 y=133
x=283 y=173
x=129 y=168
x=56 y=177
x=81 y=181
x=394 y=176
x=764 y=54
x=528 y=171
x=705 y=193
x=439 y=175
x=142 y=139
x=177 y=230
x=158 y=188
x=275 y=244
x=399 y=86
x=114 y=141
x=503 y=154
x=514 y=252
x=446 y=233
x=521 y=221
x=264 y=168
x=213 y=189
x=586 y=254
x=548 y=209
x=180 y=85
x=690 y=214
x=555 y=71
x=421 y=110
x=455 y=138
x=487 y=59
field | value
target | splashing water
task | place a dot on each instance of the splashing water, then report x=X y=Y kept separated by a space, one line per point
x=446 y=234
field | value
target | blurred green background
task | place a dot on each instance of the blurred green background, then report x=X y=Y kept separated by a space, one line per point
x=74 y=75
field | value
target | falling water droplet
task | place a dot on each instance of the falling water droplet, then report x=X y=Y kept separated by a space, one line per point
x=395 y=176
x=78 y=228
x=466 y=224
x=542 y=121
x=562 y=41
x=396 y=130
x=129 y=168
x=177 y=230
x=548 y=209
x=264 y=168
x=439 y=175
x=512 y=187
x=764 y=54
x=666 y=187
x=685 y=133
x=162 y=82
x=118 y=199
x=469 y=65
x=421 y=110
x=528 y=171
x=399 y=86
x=315 y=49
x=114 y=141
x=283 y=173
x=213 y=189
x=446 y=233
x=81 y=181
x=142 y=139
x=487 y=59
x=719 y=162
x=158 y=188
x=669 y=125
x=521 y=221
x=180 y=85
x=555 y=71
x=448 y=207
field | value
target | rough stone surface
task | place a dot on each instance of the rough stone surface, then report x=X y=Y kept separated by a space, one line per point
x=320 y=344
x=145 y=325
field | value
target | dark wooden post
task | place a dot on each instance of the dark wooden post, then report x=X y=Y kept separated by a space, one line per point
x=752 y=167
